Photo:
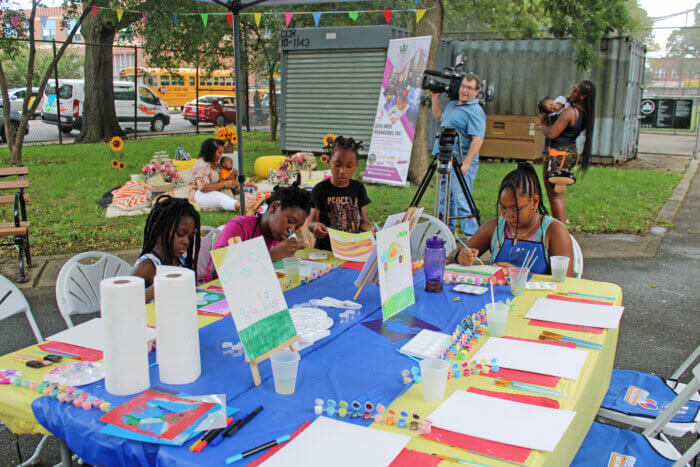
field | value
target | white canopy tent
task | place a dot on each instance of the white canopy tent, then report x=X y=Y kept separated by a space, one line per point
x=235 y=7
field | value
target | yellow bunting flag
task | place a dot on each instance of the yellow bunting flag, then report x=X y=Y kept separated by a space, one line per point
x=419 y=15
x=205 y=19
x=258 y=17
x=120 y=13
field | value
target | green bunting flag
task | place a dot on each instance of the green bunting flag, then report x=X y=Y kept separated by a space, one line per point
x=205 y=19
x=353 y=15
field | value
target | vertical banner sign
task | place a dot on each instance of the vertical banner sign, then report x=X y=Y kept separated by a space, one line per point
x=397 y=111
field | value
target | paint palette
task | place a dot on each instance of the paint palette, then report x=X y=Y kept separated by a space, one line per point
x=427 y=344
x=470 y=289
x=541 y=286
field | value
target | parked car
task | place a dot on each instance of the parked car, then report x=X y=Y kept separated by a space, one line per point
x=150 y=111
x=14 y=120
x=212 y=108
x=16 y=96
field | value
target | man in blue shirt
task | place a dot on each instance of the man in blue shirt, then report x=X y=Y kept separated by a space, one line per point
x=467 y=116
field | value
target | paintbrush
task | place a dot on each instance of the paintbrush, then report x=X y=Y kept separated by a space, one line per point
x=570 y=339
x=469 y=250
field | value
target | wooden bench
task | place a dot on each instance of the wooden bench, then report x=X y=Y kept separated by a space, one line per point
x=19 y=229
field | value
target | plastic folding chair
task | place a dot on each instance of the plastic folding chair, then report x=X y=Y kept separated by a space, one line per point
x=637 y=398
x=426 y=230
x=578 y=258
x=205 y=247
x=12 y=302
x=609 y=445
x=78 y=283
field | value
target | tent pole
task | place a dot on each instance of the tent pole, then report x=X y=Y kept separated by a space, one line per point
x=239 y=88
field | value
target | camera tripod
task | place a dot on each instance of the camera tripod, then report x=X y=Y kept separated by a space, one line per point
x=445 y=163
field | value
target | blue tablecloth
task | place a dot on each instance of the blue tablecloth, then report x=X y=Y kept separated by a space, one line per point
x=353 y=363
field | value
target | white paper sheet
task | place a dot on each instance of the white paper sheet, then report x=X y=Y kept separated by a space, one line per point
x=542 y=358
x=327 y=442
x=526 y=425
x=89 y=334
x=582 y=314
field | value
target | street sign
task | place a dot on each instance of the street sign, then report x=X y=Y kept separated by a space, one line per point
x=666 y=113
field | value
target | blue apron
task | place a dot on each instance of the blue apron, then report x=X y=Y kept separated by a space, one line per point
x=514 y=252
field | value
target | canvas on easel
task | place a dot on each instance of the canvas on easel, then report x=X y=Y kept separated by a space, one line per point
x=258 y=307
x=395 y=272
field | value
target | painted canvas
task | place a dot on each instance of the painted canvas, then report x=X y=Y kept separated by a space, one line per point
x=394 y=265
x=351 y=246
x=257 y=304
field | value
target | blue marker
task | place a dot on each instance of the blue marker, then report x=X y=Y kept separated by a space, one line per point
x=257 y=449
x=378 y=228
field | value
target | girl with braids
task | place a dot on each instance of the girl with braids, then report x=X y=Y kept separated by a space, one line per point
x=340 y=202
x=522 y=225
x=288 y=208
x=170 y=237
x=561 y=133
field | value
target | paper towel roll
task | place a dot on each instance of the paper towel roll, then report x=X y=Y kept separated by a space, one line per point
x=123 y=311
x=177 y=329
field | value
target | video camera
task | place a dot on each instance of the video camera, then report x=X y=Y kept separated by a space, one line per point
x=455 y=75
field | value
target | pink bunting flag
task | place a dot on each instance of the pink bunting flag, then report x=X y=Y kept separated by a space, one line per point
x=94 y=12
x=229 y=18
x=387 y=15
x=144 y=16
x=288 y=18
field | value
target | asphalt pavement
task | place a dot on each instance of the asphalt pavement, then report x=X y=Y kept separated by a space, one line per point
x=659 y=327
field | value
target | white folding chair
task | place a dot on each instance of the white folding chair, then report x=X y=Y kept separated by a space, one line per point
x=423 y=231
x=12 y=302
x=605 y=443
x=205 y=246
x=578 y=258
x=78 y=283
x=627 y=385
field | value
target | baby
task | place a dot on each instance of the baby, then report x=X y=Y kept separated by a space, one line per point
x=227 y=172
x=552 y=107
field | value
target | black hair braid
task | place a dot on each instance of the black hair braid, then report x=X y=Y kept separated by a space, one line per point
x=587 y=88
x=522 y=180
x=162 y=222
x=341 y=142
x=291 y=196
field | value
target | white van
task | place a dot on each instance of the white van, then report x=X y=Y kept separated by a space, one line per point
x=150 y=111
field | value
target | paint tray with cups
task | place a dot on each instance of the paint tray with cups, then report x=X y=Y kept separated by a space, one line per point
x=541 y=286
x=427 y=344
x=76 y=374
x=470 y=289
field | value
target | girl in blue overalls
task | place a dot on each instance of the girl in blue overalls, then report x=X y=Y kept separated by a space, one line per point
x=522 y=225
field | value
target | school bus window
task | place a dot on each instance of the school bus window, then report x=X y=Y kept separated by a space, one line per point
x=153 y=80
x=208 y=81
x=178 y=80
x=191 y=80
x=164 y=80
x=216 y=80
x=202 y=81
x=229 y=81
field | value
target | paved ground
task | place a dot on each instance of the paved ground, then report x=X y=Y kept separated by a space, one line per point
x=664 y=143
x=659 y=327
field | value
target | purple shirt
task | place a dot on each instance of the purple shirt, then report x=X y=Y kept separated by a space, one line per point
x=246 y=227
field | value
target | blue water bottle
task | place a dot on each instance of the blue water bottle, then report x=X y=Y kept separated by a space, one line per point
x=434 y=265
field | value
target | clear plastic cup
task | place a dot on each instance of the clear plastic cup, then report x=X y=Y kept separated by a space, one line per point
x=285 y=365
x=291 y=269
x=560 y=264
x=434 y=378
x=497 y=318
x=517 y=281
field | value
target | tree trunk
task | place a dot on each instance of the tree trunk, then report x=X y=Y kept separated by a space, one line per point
x=429 y=25
x=99 y=117
x=274 y=118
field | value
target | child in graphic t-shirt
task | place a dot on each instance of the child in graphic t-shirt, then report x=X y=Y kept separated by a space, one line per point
x=340 y=202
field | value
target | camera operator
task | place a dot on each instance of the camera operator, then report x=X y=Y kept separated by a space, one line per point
x=467 y=116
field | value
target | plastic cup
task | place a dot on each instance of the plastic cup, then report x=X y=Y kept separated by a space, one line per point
x=497 y=318
x=285 y=364
x=560 y=264
x=291 y=269
x=434 y=378
x=517 y=287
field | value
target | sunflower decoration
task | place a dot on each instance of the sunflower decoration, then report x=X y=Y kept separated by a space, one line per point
x=116 y=144
x=324 y=158
x=122 y=166
x=229 y=135
x=115 y=163
x=328 y=141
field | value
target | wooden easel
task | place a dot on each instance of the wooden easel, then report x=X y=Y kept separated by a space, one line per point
x=259 y=359
x=410 y=217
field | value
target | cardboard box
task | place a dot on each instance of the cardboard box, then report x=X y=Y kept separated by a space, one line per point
x=513 y=136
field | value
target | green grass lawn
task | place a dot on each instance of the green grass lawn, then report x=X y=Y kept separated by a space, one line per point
x=68 y=180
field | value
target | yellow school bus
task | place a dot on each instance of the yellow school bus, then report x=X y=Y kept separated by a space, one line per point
x=177 y=87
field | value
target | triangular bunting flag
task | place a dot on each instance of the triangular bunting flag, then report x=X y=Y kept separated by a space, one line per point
x=144 y=16
x=15 y=21
x=205 y=19
x=352 y=15
x=229 y=19
x=94 y=12
x=288 y=18
x=258 y=17
x=419 y=14
x=387 y=15
x=120 y=13
x=175 y=19
x=317 y=17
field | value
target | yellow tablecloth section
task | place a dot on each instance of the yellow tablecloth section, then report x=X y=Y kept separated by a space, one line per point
x=15 y=404
x=586 y=393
